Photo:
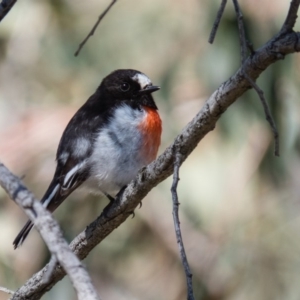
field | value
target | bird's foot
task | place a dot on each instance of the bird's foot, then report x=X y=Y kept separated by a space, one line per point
x=132 y=213
x=107 y=208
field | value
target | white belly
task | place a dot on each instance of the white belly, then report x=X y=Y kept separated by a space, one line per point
x=117 y=158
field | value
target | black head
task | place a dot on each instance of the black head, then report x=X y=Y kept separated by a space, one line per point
x=130 y=86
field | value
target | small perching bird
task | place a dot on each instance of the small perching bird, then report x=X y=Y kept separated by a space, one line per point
x=109 y=139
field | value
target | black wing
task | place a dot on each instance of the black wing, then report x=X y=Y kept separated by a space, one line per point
x=72 y=169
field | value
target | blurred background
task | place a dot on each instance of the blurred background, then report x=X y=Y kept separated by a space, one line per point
x=240 y=205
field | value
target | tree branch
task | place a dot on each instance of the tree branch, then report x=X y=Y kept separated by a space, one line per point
x=5 y=290
x=188 y=273
x=244 y=47
x=94 y=27
x=242 y=35
x=291 y=18
x=159 y=170
x=5 y=7
x=217 y=22
x=268 y=115
x=51 y=233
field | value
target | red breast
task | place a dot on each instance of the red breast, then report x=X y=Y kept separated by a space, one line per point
x=151 y=129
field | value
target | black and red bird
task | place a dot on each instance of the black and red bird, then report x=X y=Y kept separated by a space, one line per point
x=109 y=139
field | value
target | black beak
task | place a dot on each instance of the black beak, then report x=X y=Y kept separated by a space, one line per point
x=149 y=89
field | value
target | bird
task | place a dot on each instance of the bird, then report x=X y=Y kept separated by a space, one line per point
x=115 y=133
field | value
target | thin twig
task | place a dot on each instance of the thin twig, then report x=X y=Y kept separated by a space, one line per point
x=7 y=291
x=5 y=7
x=268 y=115
x=244 y=46
x=242 y=35
x=188 y=274
x=217 y=22
x=95 y=27
x=291 y=18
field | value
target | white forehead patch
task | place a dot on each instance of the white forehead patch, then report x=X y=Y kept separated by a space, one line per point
x=142 y=80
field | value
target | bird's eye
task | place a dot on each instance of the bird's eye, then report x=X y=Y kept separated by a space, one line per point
x=125 y=87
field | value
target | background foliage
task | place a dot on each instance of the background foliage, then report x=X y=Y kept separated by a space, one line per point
x=239 y=204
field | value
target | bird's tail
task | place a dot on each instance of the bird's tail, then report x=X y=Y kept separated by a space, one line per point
x=22 y=234
x=53 y=197
x=49 y=201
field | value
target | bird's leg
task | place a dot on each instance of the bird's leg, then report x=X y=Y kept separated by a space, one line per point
x=112 y=199
x=120 y=194
x=109 y=197
x=121 y=191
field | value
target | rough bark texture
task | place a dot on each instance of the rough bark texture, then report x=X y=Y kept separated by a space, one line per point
x=284 y=43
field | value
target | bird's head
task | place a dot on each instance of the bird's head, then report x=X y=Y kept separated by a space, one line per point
x=129 y=85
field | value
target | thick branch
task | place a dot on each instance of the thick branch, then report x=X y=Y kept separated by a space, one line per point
x=162 y=168
x=51 y=233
